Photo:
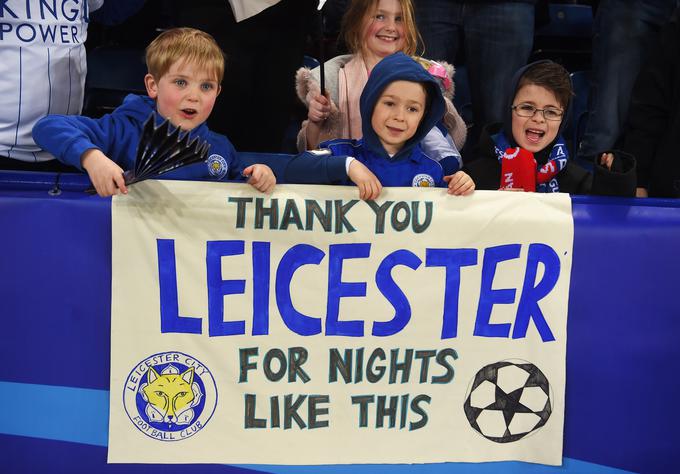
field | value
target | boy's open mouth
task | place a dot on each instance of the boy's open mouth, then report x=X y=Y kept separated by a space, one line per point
x=534 y=135
x=189 y=112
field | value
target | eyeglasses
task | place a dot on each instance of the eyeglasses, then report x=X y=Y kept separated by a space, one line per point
x=528 y=110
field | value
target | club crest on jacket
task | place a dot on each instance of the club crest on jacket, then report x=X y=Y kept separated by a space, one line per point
x=217 y=166
x=423 y=180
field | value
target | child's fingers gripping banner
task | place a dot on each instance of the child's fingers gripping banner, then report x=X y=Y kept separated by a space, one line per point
x=309 y=327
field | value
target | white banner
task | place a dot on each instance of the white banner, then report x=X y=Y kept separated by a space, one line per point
x=309 y=327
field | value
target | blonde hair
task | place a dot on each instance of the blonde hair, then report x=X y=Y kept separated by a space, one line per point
x=359 y=11
x=184 y=44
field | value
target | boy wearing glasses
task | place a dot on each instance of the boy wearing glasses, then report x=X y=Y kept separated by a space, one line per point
x=531 y=136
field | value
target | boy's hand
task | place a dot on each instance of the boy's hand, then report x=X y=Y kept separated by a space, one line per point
x=261 y=177
x=641 y=192
x=106 y=176
x=460 y=184
x=606 y=160
x=319 y=109
x=368 y=184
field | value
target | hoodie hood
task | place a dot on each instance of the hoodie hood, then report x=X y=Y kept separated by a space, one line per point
x=138 y=107
x=510 y=97
x=399 y=67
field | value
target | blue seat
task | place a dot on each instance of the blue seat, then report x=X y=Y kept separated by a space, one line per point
x=112 y=73
x=567 y=37
x=568 y=20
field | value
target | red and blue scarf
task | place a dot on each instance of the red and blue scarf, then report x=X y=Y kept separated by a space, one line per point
x=546 y=175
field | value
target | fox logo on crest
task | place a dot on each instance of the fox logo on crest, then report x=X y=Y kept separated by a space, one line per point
x=170 y=396
x=217 y=166
x=423 y=180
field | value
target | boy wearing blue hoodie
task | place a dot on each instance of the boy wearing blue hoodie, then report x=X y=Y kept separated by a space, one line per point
x=399 y=105
x=186 y=67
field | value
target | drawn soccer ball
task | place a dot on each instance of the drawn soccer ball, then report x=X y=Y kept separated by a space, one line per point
x=508 y=400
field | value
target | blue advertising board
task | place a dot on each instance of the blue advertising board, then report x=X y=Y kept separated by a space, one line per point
x=55 y=296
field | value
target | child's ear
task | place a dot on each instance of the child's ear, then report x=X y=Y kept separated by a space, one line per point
x=219 y=89
x=151 y=86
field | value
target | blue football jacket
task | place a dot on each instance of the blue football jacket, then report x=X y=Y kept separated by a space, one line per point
x=117 y=135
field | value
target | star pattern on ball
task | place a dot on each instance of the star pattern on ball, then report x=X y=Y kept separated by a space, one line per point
x=508 y=400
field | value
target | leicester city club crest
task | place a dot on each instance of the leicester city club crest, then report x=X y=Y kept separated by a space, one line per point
x=170 y=396
x=217 y=166
x=423 y=180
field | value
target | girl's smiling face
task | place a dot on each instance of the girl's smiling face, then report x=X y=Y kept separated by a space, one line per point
x=384 y=30
x=535 y=133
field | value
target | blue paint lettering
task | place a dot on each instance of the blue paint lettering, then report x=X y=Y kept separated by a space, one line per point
x=338 y=289
x=261 y=273
x=528 y=303
x=488 y=297
x=218 y=288
x=392 y=292
x=453 y=260
x=171 y=321
x=300 y=255
x=294 y=258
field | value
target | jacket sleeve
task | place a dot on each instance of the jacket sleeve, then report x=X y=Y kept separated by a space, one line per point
x=439 y=148
x=67 y=137
x=316 y=167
